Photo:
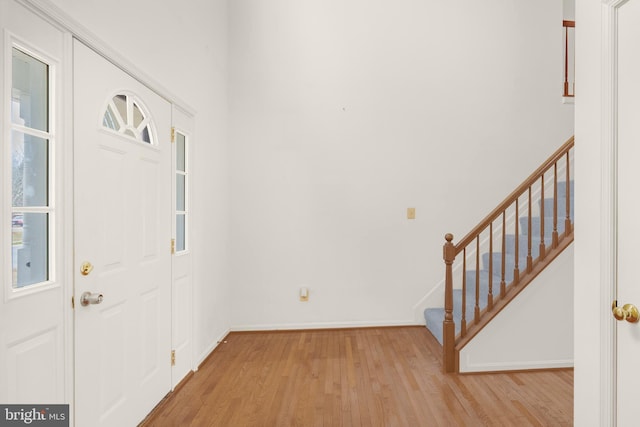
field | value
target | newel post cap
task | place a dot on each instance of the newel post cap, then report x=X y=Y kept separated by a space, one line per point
x=449 y=249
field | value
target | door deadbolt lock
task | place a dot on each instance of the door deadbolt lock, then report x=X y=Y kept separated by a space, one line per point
x=88 y=298
x=86 y=268
x=628 y=312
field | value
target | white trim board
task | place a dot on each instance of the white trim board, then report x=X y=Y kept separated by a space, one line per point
x=519 y=366
x=323 y=325
x=53 y=14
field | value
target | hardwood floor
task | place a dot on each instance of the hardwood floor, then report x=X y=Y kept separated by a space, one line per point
x=357 y=377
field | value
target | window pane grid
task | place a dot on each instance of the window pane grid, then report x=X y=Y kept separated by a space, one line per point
x=182 y=193
x=31 y=132
x=31 y=163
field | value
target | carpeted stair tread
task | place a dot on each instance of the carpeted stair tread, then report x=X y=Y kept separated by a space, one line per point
x=561 y=208
x=536 y=224
x=435 y=316
x=523 y=245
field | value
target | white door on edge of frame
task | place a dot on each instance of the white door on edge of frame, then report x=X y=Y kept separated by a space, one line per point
x=182 y=261
x=123 y=214
x=628 y=232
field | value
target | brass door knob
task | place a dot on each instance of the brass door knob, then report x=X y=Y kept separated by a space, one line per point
x=628 y=312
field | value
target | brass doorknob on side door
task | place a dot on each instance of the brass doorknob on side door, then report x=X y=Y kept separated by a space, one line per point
x=628 y=312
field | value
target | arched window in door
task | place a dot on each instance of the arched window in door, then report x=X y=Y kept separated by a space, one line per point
x=124 y=114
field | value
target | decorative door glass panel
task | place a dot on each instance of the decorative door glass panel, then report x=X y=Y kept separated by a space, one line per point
x=125 y=115
x=109 y=120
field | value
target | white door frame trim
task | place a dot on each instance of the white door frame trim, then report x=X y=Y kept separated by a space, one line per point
x=53 y=14
x=609 y=203
x=67 y=224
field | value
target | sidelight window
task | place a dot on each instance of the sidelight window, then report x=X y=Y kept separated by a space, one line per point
x=182 y=196
x=31 y=170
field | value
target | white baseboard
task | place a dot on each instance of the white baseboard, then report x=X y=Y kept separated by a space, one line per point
x=323 y=325
x=298 y=326
x=210 y=349
x=468 y=367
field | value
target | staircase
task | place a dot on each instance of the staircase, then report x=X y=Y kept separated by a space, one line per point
x=503 y=254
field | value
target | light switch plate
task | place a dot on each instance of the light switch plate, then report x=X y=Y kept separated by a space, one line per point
x=411 y=213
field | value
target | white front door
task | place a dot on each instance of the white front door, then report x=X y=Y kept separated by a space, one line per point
x=628 y=208
x=35 y=298
x=123 y=217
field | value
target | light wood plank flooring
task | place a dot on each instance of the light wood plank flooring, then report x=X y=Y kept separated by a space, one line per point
x=357 y=377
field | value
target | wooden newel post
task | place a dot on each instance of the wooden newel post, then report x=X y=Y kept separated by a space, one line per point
x=448 y=325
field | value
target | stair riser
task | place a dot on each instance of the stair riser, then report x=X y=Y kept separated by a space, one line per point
x=562 y=187
x=535 y=226
x=435 y=316
x=510 y=262
x=523 y=245
x=561 y=208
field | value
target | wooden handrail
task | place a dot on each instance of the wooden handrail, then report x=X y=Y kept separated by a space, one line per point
x=561 y=152
x=451 y=344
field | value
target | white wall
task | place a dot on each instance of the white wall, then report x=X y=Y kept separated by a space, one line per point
x=569 y=10
x=520 y=337
x=589 y=390
x=183 y=46
x=343 y=113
